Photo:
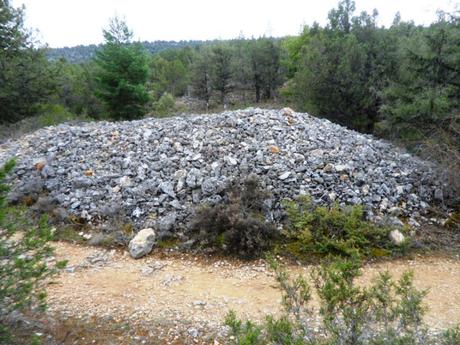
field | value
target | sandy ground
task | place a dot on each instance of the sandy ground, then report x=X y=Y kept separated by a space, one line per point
x=201 y=291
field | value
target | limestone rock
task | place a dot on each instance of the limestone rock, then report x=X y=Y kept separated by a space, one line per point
x=142 y=243
x=396 y=237
x=101 y=170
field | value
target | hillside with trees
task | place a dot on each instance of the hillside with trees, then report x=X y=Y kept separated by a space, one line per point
x=399 y=82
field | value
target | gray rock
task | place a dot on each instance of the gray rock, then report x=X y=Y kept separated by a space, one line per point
x=166 y=223
x=142 y=243
x=438 y=194
x=194 y=178
x=285 y=175
x=172 y=165
x=209 y=186
x=167 y=188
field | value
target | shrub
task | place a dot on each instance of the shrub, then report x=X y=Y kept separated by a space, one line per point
x=333 y=230
x=165 y=105
x=451 y=336
x=51 y=115
x=24 y=251
x=244 y=333
x=237 y=225
x=47 y=115
x=385 y=313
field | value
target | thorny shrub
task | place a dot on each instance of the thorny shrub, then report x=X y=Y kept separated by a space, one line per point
x=237 y=225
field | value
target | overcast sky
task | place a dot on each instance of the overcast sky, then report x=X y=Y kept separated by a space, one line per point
x=72 y=22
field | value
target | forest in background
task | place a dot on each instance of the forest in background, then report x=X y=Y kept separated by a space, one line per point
x=401 y=83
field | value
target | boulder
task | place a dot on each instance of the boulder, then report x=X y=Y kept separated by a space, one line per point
x=142 y=243
x=396 y=237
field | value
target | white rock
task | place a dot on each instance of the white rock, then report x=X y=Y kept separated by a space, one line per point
x=341 y=168
x=287 y=111
x=142 y=243
x=178 y=146
x=147 y=133
x=395 y=211
x=285 y=175
x=125 y=181
x=397 y=237
x=230 y=160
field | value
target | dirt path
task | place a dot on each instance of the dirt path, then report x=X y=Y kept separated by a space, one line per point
x=199 y=292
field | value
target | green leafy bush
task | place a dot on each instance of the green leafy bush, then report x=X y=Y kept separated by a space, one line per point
x=451 y=336
x=165 y=105
x=24 y=251
x=385 y=313
x=246 y=333
x=333 y=230
x=54 y=114
x=237 y=225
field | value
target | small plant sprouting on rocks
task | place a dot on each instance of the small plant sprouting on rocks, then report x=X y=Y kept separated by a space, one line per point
x=237 y=225
x=385 y=313
x=24 y=258
x=335 y=230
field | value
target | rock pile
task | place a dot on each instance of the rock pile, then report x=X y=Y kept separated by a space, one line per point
x=156 y=171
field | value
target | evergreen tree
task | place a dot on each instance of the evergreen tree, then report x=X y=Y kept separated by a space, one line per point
x=169 y=76
x=201 y=76
x=122 y=73
x=221 y=76
x=425 y=91
x=265 y=67
x=26 y=77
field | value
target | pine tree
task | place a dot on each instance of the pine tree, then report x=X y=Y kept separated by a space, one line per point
x=26 y=77
x=221 y=76
x=201 y=76
x=122 y=73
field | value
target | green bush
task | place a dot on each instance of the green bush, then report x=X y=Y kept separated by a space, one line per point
x=244 y=333
x=24 y=251
x=385 y=313
x=54 y=114
x=333 y=230
x=451 y=336
x=165 y=105
x=237 y=225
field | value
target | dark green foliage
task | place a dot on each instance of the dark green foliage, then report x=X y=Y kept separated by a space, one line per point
x=26 y=78
x=424 y=92
x=24 y=251
x=82 y=54
x=386 y=312
x=333 y=230
x=340 y=69
x=245 y=333
x=265 y=67
x=169 y=72
x=201 y=76
x=451 y=336
x=77 y=89
x=237 y=225
x=221 y=70
x=421 y=103
x=122 y=73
